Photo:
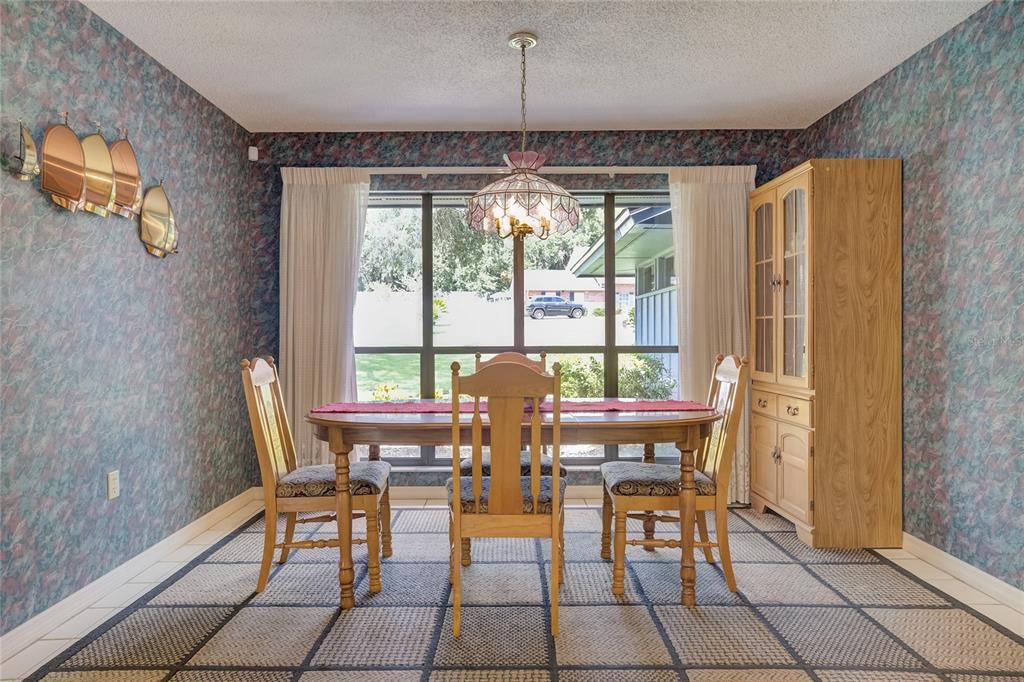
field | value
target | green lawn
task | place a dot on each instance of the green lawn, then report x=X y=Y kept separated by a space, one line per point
x=401 y=370
x=402 y=373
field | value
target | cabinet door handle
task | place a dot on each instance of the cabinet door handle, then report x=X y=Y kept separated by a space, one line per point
x=776 y=455
x=776 y=282
x=761 y=402
x=792 y=410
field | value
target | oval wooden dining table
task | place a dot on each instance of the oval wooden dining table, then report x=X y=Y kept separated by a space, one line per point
x=343 y=431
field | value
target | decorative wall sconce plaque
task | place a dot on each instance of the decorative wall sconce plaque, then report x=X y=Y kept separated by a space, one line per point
x=156 y=223
x=127 y=180
x=63 y=166
x=26 y=164
x=99 y=174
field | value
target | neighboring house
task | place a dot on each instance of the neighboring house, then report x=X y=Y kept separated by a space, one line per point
x=644 y=252
x=587 y=290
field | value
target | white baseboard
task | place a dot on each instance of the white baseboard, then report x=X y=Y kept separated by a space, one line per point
x=38 y=626
x=975 y=577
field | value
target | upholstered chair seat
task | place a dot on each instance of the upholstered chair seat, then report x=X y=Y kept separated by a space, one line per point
x=543 y=499
x=365 y=478
x=466 y=466
x=653 y=480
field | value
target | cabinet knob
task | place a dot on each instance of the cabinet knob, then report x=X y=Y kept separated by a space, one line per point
x=761 y=402
x=792 y=410
x=776 y=454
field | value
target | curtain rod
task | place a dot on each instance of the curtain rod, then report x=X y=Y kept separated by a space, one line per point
x=610 y=171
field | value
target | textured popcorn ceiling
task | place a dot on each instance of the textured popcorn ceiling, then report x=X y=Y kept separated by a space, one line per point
x=390 y=65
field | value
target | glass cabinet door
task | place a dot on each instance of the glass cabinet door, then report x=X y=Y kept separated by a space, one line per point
x=795 y=282
x=763 y=285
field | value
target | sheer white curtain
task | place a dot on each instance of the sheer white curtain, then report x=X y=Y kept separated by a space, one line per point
x=709 y=223
x=323 y=215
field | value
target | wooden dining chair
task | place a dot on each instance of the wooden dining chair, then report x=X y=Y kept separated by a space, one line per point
x=506 y=504
x=289 y=489
x=640 y=490
x=524 y=455
x=511 y=356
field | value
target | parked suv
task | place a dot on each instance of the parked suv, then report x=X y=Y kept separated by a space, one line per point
x=542 y=306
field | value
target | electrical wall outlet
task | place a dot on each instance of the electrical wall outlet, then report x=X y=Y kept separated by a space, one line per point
x=113 y=484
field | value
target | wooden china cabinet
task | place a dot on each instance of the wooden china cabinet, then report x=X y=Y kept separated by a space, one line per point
x=825 y=318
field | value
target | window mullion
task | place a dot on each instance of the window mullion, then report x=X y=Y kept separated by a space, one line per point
x=611 y=359
x=427 y=452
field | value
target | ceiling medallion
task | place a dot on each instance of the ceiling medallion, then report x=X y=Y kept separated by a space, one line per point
x=523 y=203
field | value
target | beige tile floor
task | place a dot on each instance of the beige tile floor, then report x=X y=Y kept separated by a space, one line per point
x=18 y=664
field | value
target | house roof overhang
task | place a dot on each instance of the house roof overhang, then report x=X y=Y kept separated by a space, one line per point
x=641 y=233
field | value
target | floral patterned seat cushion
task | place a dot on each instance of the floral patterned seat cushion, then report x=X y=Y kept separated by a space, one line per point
x=653 y=480
x=543 y=501
x=365 y=478
x=466 y=466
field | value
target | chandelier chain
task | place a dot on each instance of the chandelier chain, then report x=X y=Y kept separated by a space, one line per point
x=522 y=95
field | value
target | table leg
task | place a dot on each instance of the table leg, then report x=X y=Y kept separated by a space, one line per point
x=346 y=572
x=649 y=523
x=687 y=519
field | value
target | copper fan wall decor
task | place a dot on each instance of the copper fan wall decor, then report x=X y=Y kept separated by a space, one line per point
x=127 y=178
x=27 y=162
x=99 y=174
x=156 y=223
x=63 y=166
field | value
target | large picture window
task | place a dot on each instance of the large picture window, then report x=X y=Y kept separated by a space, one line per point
x=601 y=301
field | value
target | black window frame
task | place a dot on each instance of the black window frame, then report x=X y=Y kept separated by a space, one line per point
x=428 y=352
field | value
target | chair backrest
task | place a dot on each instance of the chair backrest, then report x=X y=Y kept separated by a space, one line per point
x=508 y=387
x=727 y=392
x=511 y=356
x=270 y=429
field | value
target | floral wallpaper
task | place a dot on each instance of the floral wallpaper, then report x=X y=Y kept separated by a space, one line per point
x=954 y=113
x=111 y=358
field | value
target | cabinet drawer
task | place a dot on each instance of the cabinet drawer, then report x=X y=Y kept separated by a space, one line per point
x=763 y=403
x=795 y=410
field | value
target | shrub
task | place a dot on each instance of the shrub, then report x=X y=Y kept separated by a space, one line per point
x=647 y=377
x=385 y=392
x=597 y=312
x=582 y=377
x=439 y=307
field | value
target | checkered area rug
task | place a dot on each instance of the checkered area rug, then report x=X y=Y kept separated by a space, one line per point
x=801 y=614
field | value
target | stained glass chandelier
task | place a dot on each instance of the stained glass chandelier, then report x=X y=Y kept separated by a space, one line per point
x=523 y=203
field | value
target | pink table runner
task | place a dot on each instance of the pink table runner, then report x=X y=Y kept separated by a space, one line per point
x=440 y=406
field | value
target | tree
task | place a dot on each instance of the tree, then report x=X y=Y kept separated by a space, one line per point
x=391 y=254
x=464 y=259
x=468 y=260
x=554 y=252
